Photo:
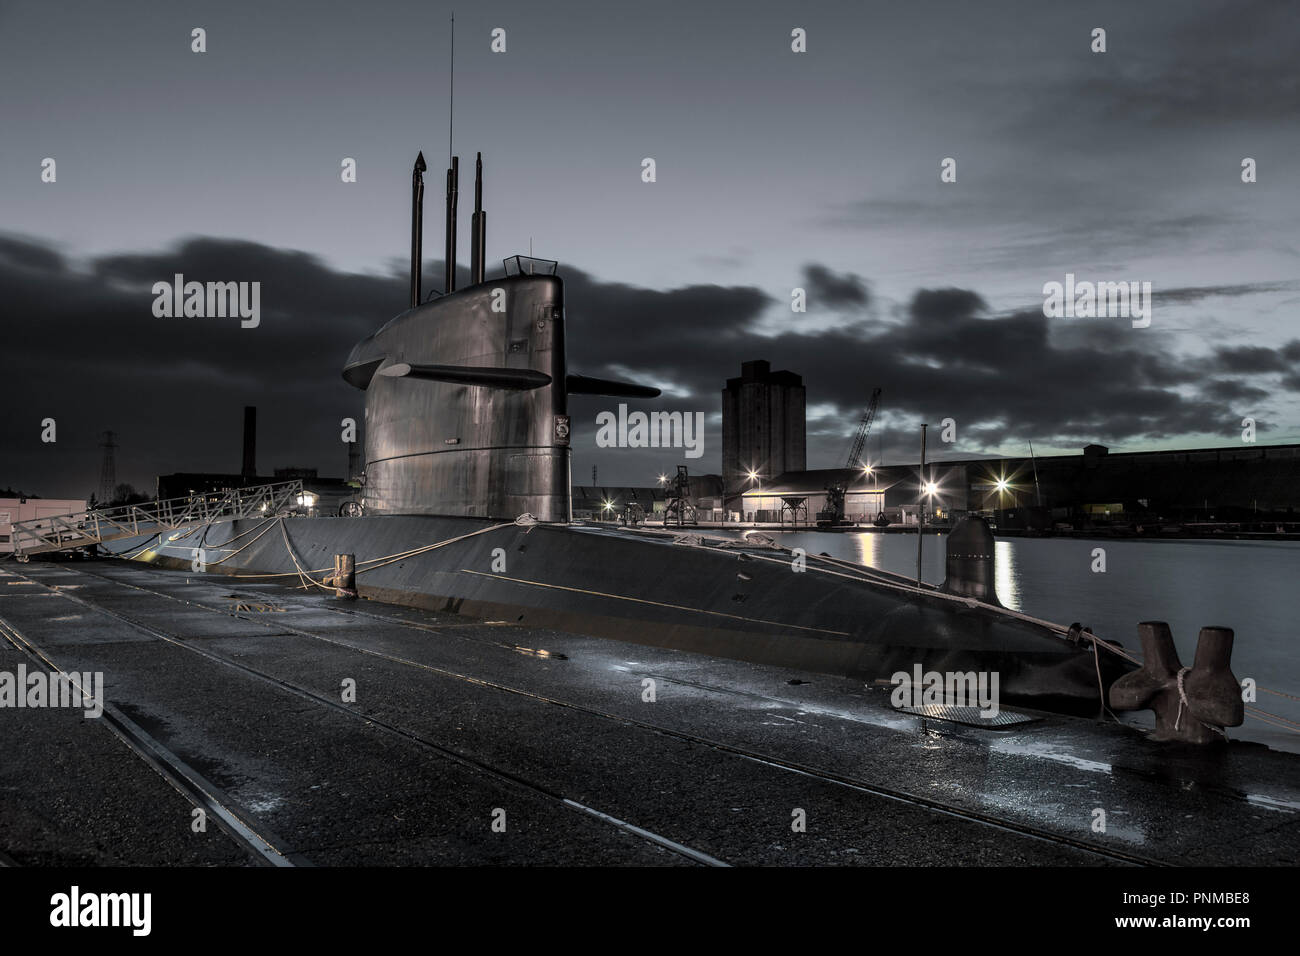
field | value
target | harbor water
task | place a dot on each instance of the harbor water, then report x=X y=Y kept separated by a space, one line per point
x=1251 y=586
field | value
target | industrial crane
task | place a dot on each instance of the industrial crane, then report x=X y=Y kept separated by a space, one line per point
x=860 y=440
x=833 y=513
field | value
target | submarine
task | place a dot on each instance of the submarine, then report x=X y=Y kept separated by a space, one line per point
x=464 y=506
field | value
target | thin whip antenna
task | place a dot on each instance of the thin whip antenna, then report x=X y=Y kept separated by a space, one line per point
x=451 y=109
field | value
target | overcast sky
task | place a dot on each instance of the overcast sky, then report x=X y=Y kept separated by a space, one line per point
x=775 y=169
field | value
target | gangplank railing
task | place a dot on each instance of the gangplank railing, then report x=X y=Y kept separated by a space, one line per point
x=84 y=528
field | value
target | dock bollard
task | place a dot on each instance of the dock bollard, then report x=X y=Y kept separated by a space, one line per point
x=344 y=579
x=1211 y=687
x=969 y=564
x=1191 y=704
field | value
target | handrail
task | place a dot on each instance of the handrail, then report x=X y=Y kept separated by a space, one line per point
x=80 y=528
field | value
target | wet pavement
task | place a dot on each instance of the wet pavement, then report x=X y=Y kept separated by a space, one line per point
x=360 y=733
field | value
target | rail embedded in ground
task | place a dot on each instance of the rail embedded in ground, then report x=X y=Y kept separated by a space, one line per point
x=85 y=528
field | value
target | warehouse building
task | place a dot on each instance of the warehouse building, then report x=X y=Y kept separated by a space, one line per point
x=1233 y=483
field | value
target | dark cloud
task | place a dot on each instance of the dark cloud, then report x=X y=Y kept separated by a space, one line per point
x=945 y=305
x=1004 y=378
x=616 y=322
x=1227 y=390
x=1250 y=358
x=1198 y=293
x=21 y=255
x=825 y=288
x=87 y=350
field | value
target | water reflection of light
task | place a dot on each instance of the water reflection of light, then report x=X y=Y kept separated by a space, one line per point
x=870 y=549
x=1007 y=580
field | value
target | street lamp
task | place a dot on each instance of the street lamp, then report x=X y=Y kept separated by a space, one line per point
x=753 y=477
x=1000 y=486
x=875 y=488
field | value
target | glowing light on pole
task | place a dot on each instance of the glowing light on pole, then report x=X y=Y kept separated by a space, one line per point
x=753 y=477
x=920 y=512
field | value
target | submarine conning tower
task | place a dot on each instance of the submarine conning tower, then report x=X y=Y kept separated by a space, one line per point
x=467 y=393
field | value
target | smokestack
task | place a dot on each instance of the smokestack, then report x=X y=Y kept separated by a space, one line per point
x=453 y=189
x=250 y=442
x=417 y=226
x=478 y=228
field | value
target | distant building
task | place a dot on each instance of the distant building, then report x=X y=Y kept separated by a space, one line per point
x=321 y=496
x=798 y=495
x=604 y=503
x=1236 y=483
x=32 y=509
x=763 y=425
x=1232 y=483
x=591 y=503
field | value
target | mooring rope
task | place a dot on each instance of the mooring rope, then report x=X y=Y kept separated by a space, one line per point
x=1182 y=696
x=1277 y=693
x=929 y=591
x=265 y=526
x=392 y=558
x=303 y=576
x=1279 y=721
x=862 y=574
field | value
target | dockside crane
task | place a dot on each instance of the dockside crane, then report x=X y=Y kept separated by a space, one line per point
x=864 y=429
x=833 y=513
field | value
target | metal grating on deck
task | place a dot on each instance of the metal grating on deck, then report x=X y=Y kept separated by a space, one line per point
x=967 y=715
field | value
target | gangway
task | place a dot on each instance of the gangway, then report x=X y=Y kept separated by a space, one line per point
x=86 y=528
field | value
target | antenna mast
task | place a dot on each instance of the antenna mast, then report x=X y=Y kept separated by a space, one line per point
x=451 y=96
x=453 y=175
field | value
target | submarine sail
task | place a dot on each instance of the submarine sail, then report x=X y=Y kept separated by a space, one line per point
x=467 y=394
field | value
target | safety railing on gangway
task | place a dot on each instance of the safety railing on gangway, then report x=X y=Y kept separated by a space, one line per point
x=81 y=529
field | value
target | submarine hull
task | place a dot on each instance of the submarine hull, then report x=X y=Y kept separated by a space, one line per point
x=660 y=589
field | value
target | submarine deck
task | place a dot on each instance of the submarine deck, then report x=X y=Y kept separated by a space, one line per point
x=483 y=742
